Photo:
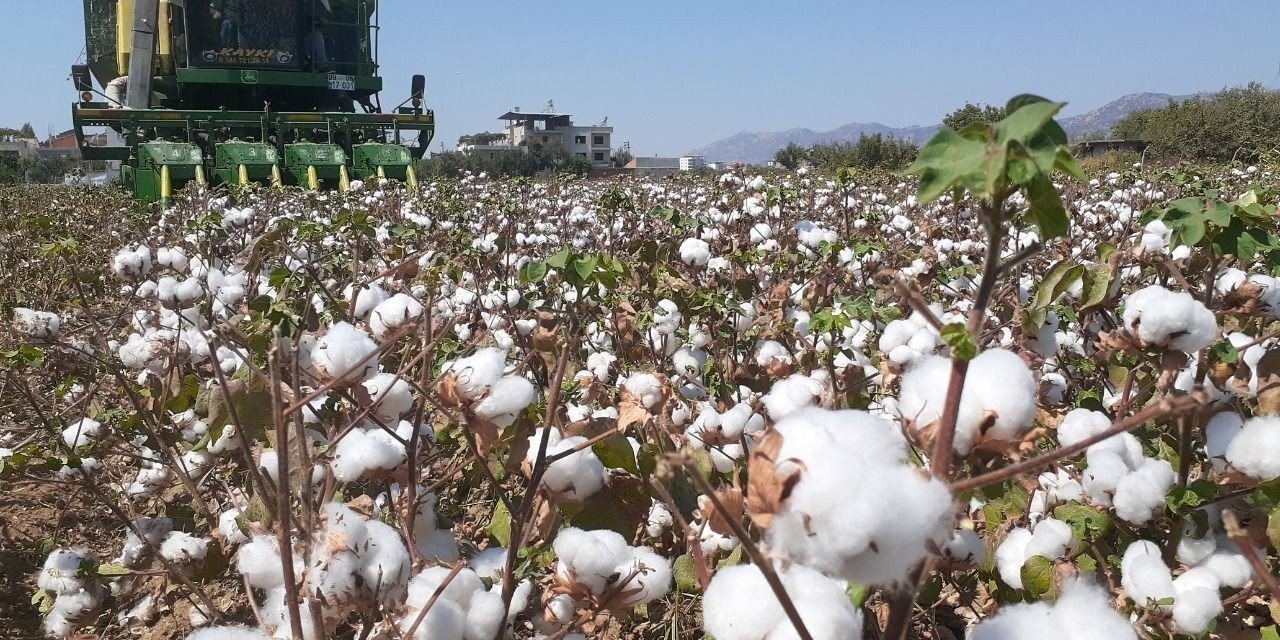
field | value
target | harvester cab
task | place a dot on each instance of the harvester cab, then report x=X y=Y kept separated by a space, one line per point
x=238 y=91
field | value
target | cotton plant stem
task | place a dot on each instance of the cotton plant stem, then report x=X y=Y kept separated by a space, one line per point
x=1166 y=407
x=283 y=510
x=757 y=557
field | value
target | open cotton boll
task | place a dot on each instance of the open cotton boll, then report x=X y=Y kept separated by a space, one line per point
x=590 y=558
x=394 y=312
x=391 y=396
x=345 y=352
x=363 y=451
x=385 y=562
x=132 y=263
x=59 y=572
x=1163 y=318
x=695 y=252
x=999 y=389
x=645 y=388
x=739 y=605
x=181 y=547
x=234 y=632
x=790 y=394
x=1255 y=450
x=38 y=325
x=81 y=432
x=1144 y=576
x=964 y=548
x=72 y=610
x=368 y=298
x=507 y=398
x=1049 y=538
x=229 y=528
x=1082 y=612
x=652 y=576
x=1081 y=424
x=858 y=512
x=485 y=615
x=1155 y=237
x=259 y=562
x=1141 y=494
x=476 y=373
x=574 y=477
x=459 y=590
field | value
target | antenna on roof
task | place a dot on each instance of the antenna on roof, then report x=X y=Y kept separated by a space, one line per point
x=604 y=122
x=551 y=106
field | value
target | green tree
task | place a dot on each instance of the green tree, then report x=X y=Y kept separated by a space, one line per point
x=874 y=151
x=27 y=131
x=1241 y=123
x=621 y=157
x=971 y=113
x=791 y=156
x=484 y=137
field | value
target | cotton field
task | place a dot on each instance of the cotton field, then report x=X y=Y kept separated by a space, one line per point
x=752 y=406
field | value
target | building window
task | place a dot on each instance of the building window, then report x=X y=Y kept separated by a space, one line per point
x=597 y=139
x=599 y=156
x=579 y=139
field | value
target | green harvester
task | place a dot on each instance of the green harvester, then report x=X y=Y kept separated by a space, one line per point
x=232 y=92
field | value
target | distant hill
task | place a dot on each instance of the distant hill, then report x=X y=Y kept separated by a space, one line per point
x=759 y=147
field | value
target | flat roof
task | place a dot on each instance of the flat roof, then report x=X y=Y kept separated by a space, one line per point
x=529 y=115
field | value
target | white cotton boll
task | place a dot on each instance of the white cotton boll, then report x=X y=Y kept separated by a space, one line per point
x=653 y=576
x=509 y=396
x=394 y=312
x=392 y=397
x=364 y=451
x=458 y=590
x=39 y=325
x=999 y=382
x=259 y=562
x=228 y=527
x=1194 y=609
x=1060 y=487
x=965 y=548
x=132 y=263
x=1231 y=567
x=81 y=432
x=1167 y=319
x=1141 y=494
x=484 y=616
x=346 y=352
x=659 y=520
x=1049 y=538
x=739 y=605
x=1155 y=237
x=476 y=373
x=1081 y=424
x=574 y=477
x=369 y=297
x=1082 y=612
x=646 y=388
x=234 y=632
x=858 y=511
x=1255 y=450
x=489 y=563
x=695 y=252
x=1144 y=576
x=59 y=572
x=71 y=610
x=444 y=621
x=439 y=545
x=1011 y=555
x=790 y=394
x=591 y=558
x=385 y=562
x=181 y=547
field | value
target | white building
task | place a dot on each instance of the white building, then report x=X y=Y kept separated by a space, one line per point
x=591 y=142
x=692 y=163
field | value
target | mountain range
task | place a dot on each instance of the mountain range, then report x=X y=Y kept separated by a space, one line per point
x=759 y=147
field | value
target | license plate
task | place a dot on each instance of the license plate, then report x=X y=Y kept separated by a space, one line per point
x=341 y=83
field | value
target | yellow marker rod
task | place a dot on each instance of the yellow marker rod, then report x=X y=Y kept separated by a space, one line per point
x=243 y=174
x=382 y=173
x=275 y=177
x=313 y=179
x=200 y=175
x=166 y=185
x=411 y=179
x=344 y=182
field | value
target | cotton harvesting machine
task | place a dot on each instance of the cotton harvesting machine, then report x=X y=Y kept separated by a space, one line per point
x=281 y=92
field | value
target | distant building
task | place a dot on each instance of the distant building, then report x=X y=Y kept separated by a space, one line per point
x=19 y=147
x=1098 y=148
x=654 y=166
x=594 y=143
x=719 y=166
x=692 y=163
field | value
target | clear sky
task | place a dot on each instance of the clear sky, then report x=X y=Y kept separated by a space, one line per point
x=672 y=75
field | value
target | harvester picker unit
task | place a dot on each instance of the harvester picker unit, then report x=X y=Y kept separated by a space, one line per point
x=239 y=91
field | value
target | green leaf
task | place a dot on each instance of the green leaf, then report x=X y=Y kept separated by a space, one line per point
x=1273 y=528
x=533 y=271
x=857 y=593
x=500 y=524
x=1046 y=210
x=950 y=160
x=1270 y=632
x=686 y=574
x=1028 y=115
x=584 y=266
x=1223 y=351
x=615 y=453
x=1097 y=283
x=734 y=557
x=962 y=344
x=560 y=260
x=112 y=570
x=1037 y=576
x=1087 y=523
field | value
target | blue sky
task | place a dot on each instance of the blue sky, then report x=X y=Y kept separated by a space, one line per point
x=674 y=75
